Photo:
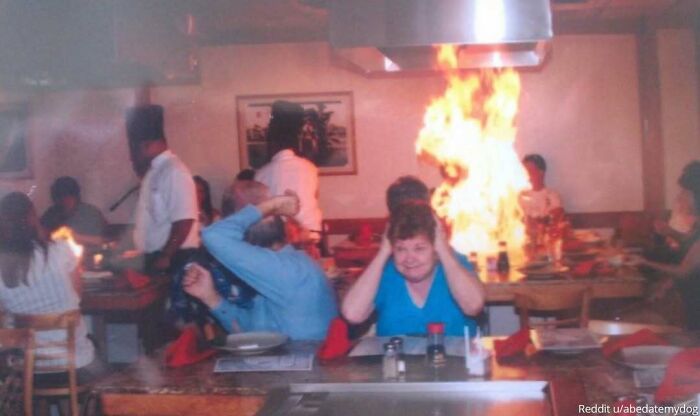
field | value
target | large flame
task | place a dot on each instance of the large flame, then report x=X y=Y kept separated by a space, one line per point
x=469 y=133
x=65 y=233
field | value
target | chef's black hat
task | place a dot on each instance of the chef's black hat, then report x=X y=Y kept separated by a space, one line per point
x=145 y=123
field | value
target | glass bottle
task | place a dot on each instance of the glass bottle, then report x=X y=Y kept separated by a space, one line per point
x=389 y=362
x=502 y=264
x=435 y=351
x=397 y=342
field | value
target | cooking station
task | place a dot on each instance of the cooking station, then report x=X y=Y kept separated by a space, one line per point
x=543 y=384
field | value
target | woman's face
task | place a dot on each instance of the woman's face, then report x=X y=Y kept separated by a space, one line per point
x=415 y=257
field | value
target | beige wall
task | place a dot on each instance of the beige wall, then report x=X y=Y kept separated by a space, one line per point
x=679 y=104
x=580 y=111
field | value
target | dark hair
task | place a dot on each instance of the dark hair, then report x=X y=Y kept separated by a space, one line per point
x=536 y=160
x=145 y=123
x=406 y=188
x=690 y=180
x=266 y=232
x=63 y=187
x=411 y=219
x=247 y=174
x=286 y=121
x=207 y=207
x=19 y=235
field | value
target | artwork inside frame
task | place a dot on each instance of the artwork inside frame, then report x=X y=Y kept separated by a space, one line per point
x=327 y=138
x=14 y=147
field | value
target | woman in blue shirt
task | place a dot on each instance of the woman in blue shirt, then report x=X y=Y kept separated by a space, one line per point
x=416 y=278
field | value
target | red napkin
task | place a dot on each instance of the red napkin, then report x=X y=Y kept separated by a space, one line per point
x=682 y=377
x=136 y=279
x=584 y=269
x=514 y=344
x=184 y=350
x=641 y=337
x=337 y=343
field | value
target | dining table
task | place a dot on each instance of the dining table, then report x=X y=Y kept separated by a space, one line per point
x=113 y=298
x=150 y=388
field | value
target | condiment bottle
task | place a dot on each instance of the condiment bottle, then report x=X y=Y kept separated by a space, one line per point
x=435 y=351
x=400 y=361
x=389 y=362
x=502 y=264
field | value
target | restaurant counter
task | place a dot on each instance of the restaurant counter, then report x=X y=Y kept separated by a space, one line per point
x=150 y=388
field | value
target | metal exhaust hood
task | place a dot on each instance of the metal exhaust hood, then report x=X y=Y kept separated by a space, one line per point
x=398 y=35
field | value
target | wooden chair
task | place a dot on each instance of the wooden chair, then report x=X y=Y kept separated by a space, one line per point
x=16 y=371
x=63 y=352
x=554 y=302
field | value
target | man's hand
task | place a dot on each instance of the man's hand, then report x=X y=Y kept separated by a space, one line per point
x=442 y=245
x=287 y=204
x=199 y=283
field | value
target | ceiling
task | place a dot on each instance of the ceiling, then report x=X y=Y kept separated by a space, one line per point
x=66 y=43
x=273 y=21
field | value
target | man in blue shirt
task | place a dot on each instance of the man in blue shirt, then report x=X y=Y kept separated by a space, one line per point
x=293 y=294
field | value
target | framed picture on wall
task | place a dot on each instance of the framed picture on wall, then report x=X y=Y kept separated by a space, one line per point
x=327 y=138
x=14 y=149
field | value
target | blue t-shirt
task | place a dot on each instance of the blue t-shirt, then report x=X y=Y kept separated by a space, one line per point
x=398 y=315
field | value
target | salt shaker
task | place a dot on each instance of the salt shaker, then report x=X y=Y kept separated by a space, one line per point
x=389 y=362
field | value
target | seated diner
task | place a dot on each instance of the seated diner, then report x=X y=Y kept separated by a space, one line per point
x=293 y=295
x=415 y=279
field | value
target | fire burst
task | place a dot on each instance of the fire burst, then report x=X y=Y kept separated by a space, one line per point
x=65 y=233
x=469 y=133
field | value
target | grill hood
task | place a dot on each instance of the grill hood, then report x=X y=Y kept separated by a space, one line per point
x=397 y=35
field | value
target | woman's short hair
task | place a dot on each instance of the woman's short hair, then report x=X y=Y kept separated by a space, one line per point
x=406 y=188
x=690 y=180
x=410 y=219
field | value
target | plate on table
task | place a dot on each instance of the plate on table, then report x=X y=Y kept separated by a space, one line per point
x=250 y=343
x=646 y=357
x=543 y=271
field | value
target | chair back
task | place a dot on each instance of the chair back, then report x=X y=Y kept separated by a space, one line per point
x=16 y=371
x=56 y=356
x=555 y=302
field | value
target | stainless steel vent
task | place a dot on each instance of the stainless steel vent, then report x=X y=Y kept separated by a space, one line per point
x=394 y=35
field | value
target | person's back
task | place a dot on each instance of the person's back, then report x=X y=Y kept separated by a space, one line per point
x=305 y=304
x=288 y=171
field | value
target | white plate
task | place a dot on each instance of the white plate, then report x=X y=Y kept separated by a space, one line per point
x=647 y=357
x=249 y=343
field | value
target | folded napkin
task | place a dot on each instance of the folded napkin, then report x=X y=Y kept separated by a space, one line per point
x=337 y=342
x=514 y=344
x=185 y=349
x=136 y=280
x=682 y=377
x=641 y=337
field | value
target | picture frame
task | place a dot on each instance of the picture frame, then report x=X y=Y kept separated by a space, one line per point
x=327 y=138
x=15 y=160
